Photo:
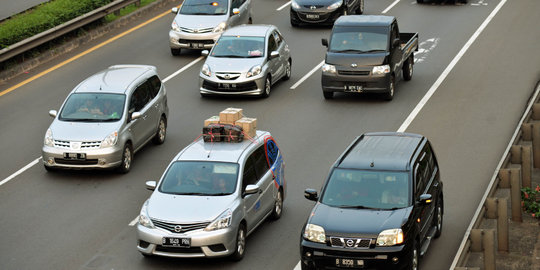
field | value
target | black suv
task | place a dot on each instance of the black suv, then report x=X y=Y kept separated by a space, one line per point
x=380 y=206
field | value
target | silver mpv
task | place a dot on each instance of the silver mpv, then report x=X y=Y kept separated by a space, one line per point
x=211 y=196
x=246 y=60
x=106 y=119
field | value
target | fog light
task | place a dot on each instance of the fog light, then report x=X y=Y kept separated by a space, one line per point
x=50 y=161
x=308 y=254
x=395 y=259
x=102 y=161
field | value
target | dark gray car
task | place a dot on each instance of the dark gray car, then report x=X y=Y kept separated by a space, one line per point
x=323 y=11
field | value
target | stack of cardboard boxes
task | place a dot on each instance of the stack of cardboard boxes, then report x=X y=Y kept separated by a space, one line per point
x=235 y=117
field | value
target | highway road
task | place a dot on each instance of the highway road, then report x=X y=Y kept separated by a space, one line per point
x=478 y=64
x=10 y=7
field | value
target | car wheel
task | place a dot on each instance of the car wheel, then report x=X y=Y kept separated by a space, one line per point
x=419 y=1
x=161 y=132
x=240 y=243
x=287 y=70
x=267 y=85
x=306 y=266
x=49 y=168
x=391 y=88
x=438 y=221
x=278 y=206
x=360 y=7
x=328 y=95
x=408 y=68
x=127 y=158
x=415 y=257
x=250 y=20
x=175 y=52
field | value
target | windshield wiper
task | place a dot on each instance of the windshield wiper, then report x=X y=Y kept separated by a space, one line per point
x=190 y=193
x=349 y=50
x=376 y=50
x=84 y=120
x=229 y=55
x=219 y=194
x=357 y=207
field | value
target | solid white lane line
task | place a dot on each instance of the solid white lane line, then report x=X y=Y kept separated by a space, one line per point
x=282 y=7
x=20 y=171
x=297 y=267
x=133 y=222
x=307 y=75
x=183 y=69
x=390 y=6
x=449 y=68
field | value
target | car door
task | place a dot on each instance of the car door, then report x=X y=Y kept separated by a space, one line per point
x=245 y=6
x=282 y=54
x=252 y=202
x=137 y=103
x=273 y=64
x=154 y=105
x=265 y=179
x=395 y=49
x=235 y=19
x=422 y=177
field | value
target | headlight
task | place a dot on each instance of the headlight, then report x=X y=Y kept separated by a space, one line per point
x=143 y=217
x=220 y=27
x=254 y=71
x=48 y=140
x=295 y=5
x=206 y=70
x=378 y=70
x=221 y=222
x=110 y=140
x=326 y=68
x=175 y=26
x=314 y=233
x=335 y=5
x=390 y=238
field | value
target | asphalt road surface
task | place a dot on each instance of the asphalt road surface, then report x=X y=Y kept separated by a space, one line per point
x=9 y=8
x=79 y=220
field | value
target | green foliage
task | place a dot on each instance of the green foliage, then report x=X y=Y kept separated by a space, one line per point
x=530 y=201
x=44 y=17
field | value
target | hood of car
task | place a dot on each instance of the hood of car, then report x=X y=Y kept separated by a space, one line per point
x=359 y=59
x=223 y=64
x=187 y=208
x=199 y=21
x=315 y=2
x=82 y=131
x=361 y=222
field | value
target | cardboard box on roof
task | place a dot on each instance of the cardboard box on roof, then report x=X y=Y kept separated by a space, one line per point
x=230 y=115
x=249 y=125
x=212 y=120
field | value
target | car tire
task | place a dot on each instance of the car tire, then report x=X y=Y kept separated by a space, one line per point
x=304 y=266
x=175 y=52
x=267 y=87
x=420 y=1
x=438 y=221
x=161 y=132
x=127 y=159
x=250 y=20
x=287 y=75
x=240 y=247
x=414 y=263
x=391 y=89
x=408 y=68
x=278 y=206
x=328 y=95
x=49 y=168
x=360 y=7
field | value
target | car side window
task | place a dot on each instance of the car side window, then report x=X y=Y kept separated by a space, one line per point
x=155 y=85
x=236 y=4
x=278 y=38
x=140 y=97
x=261 y=165
x=272 y=46
x=249 y=176
x=421 y=172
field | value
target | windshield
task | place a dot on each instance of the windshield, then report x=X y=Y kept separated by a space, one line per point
x=200 y=178
x=204 y=7
x=359 y=39
x=93 y=107
x=239 y=47
x=351 y=188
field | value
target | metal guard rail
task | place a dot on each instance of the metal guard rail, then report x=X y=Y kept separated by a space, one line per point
x=57 y=31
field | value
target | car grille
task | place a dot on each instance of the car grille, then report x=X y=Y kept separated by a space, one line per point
x=84 y=145
x=240 y=87
x=76 y=161
x=179 y=249
x=322 y=17
x=354 y=72
x=228 y=76
x=196 y=30
x=203 y=41
x=184 y=227
x=316 y=6
x=358 y=243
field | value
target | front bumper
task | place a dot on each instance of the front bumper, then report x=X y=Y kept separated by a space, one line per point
x=317 y=16
x=368 y=83
x=184 y=40
x=99 y=158
x=241 y=86
x=216 y=243
x=322 y=256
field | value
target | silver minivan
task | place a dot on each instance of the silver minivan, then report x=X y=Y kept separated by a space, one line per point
x=211 y=196
x=199 y=23
x=106 y=119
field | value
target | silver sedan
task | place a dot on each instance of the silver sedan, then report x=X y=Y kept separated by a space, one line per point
x=246 y=60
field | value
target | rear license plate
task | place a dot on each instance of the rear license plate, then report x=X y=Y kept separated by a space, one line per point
x=350 y=263
x=312 y=16
x=228 y=85
x=74 y=155
x=354 y=88
x=176 y=242
x=196 y=45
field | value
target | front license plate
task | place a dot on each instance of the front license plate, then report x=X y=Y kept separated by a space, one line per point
x=228 y=85
x=354 y=88
x=350 y=263
x=312 y=16
x=74 y=155
x=197 y=45
x=176 y=242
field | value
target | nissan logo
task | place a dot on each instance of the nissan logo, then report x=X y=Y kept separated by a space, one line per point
x=313 y=7
x=227 y=77
x=177 y=228
x=350 y=243
x=354 y=65
x=195 y=30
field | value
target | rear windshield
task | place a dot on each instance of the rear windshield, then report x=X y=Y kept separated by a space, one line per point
x=204 y=7
x=349 y=188
x=359 y=39
x=93 y=107
x=200 y=178
x=239 y=47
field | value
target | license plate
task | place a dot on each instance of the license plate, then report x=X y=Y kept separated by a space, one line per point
x=312 y=16
x=197 y=45
x=354 y=88
x=176 y=242
x=74 y=155
x=350 y=263
x=228 y=85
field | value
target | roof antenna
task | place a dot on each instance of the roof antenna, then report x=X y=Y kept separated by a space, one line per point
x=372 y=164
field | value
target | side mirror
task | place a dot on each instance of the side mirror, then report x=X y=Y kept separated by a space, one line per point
x=396 y=42
x=425 y=199
x=311 y=194
x=174 y=10
x=251 y=189
x=274 y=54
x=135 y=115
x=205 y=52
x=235 y=11
x=151 y=185
x=53 y=113
x=324 y=42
